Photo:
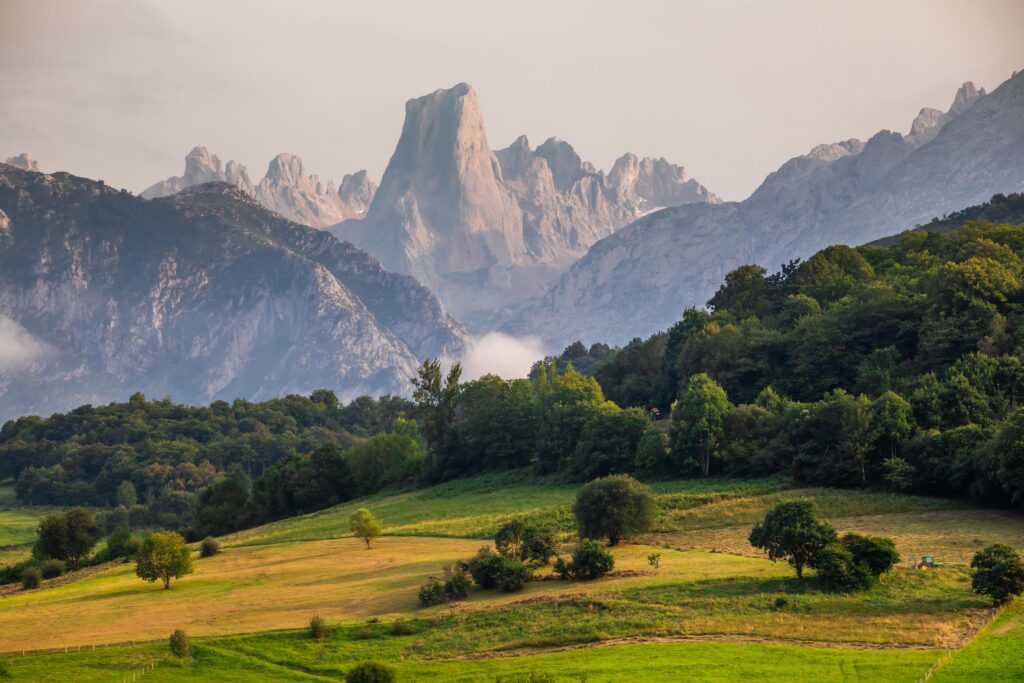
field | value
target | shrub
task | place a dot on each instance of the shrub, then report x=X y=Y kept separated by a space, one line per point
x=456 y=584
x=513 y=574
x=539 y=545
x=654 y=559
x=179 y=644
x=876 y=553
x=119 y=544
x=32 y=577
x=51 y=569
x=402 y=628
x=790 y=531
x=614 y=507
x=484 y=567
x=998 y=573
x=781 y=602
x=839 y=572
x=209 y=547
x=432 y=592
x=591 y=560
x=370 y=672
x=317 y=627
x=563 y=568
x=509 y=538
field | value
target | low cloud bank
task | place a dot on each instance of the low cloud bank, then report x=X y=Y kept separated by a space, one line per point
x=17 y=345
x=501 y=354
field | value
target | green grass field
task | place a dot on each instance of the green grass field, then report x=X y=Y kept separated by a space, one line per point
x=17 y=526
x=709 y=613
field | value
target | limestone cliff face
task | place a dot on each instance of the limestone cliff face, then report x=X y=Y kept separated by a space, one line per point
x=638 y=280
x=287 y=189
x=356 y=192
x=486 y=228
x=202 y=295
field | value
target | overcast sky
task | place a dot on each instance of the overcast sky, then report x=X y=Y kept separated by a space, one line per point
x=123 y=90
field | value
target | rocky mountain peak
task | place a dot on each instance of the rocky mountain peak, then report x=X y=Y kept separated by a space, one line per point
x=202 y=166
x=286 y=168
x=442 y=196
x=287 y=188
x=566 y=165
x=966 y=96
x=485 y=228
x=356 y=192
x=24 y=162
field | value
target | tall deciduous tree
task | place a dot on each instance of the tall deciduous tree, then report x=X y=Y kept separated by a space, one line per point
x=164 y=556
x=436 y=398
x=697 y=420
x=614 y=507
x=364 y=525
x=791 y=532
x=68 y=536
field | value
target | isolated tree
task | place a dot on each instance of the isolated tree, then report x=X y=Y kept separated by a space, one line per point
x=998 y=573
x=68 y=536
x=364 y=525
x=164 y=556
x=697 y=420
x=791 y=532
x=436 y=399
x=126 y=495
x=614 y=507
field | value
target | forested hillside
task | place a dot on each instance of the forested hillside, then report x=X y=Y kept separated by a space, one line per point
x=878 y=366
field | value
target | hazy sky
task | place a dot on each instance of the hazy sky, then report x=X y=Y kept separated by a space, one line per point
x=123 y=90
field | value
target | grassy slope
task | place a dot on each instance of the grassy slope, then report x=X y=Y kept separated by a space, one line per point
x=996 y=654
x=17 y=526
x=278 y=575
x=476 y=507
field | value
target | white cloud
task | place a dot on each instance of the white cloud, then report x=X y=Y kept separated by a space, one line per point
x=17 y=345
x=500 y=354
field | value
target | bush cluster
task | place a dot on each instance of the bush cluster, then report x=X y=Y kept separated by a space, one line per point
x=370 y=672
x=180 y=645
x=209 y=547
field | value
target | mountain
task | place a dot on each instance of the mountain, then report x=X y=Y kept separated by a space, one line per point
x=202 y=167
x=639 y=279
x=24 y=162
x=485 y=228
x=202 y=295
x=1000 y=209
x=287 y=188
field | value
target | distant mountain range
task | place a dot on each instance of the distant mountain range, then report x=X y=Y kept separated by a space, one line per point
x=286 y=189
x=202 y=295
x=483 y=228
x=212 y=286
x=639 y=279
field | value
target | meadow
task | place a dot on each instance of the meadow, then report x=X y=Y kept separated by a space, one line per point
x=17 y=526
x=710 y=611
